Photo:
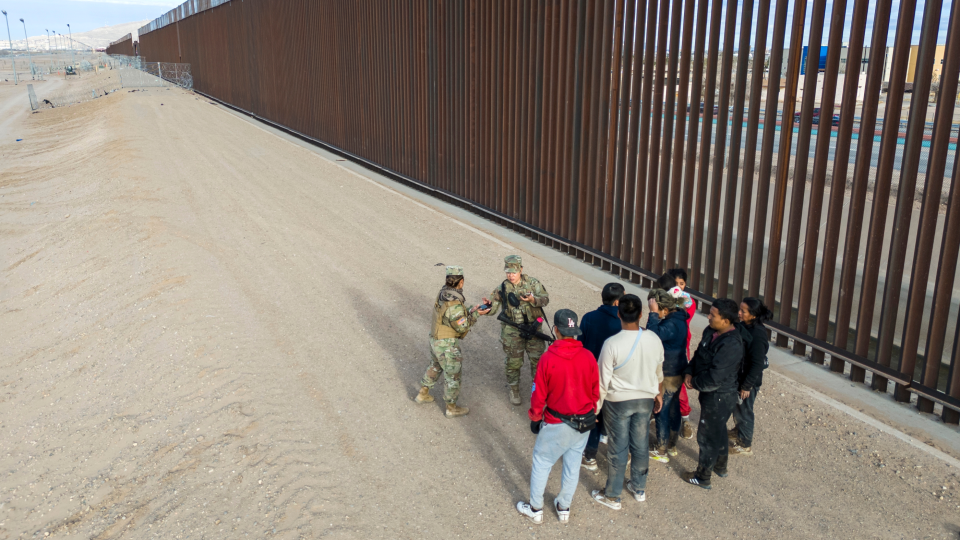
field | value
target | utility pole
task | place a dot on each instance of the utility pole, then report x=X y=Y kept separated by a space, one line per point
x=9 y=39
x=29 y=56
x=73 y=53
x=48 y=39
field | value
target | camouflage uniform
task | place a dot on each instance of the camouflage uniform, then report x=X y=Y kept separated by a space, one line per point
x=452 y=321
x=513 y=345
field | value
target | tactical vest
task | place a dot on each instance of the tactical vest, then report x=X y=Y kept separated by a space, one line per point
x=526 y=313
x=440 y=330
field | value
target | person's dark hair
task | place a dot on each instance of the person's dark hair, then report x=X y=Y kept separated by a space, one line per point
x=728 y=309
x=666 y=282
x=452 y=281
x=678 y=273
x=611 y=293
x=757 y=309
x=630 y=308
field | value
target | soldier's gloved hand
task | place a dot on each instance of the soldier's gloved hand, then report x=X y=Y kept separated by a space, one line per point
x=535 y=426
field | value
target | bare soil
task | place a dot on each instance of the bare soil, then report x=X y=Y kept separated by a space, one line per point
x=209 y=331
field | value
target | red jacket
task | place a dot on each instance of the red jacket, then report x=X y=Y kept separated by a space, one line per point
x=691 y=308
x=567 y=381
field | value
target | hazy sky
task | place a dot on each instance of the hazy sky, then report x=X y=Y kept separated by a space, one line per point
x=86 y=15
x=80 y=14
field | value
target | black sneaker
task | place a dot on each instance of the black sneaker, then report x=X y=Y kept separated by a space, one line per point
x=691 y=478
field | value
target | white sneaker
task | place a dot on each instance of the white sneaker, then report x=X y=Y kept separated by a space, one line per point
x=564 y=515
x=536 y=516
x=603 y=439
x=599 y=496
x=588 y=464
x=640 y=496
x=660 y=454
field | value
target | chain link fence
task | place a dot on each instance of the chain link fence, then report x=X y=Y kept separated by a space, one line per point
x=132 y=72
x=135 y=72
x=76 y=94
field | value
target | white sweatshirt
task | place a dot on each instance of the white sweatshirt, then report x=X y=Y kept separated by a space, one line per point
x=640 y=376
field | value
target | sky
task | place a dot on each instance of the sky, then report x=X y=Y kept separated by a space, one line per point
x=82 y=15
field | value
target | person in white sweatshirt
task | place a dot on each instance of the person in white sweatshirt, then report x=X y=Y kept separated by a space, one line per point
x=631 y=390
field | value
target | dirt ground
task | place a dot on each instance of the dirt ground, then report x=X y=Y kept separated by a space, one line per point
x=211 y=332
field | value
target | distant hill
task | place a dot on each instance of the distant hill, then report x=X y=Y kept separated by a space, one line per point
x=98 y=37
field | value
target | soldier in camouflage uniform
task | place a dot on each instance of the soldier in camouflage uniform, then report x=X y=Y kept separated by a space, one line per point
x=451 y=322
x=532 y=298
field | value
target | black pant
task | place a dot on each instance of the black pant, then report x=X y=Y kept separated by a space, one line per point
x=743 y=416
x=593 y=442
x=715 y=410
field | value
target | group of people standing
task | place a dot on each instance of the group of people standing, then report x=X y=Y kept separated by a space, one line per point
x=604 y=378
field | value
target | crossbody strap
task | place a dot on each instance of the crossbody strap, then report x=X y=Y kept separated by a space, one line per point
x=632 y=349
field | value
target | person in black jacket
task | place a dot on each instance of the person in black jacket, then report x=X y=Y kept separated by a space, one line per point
x=714 y=373
x=752 y=316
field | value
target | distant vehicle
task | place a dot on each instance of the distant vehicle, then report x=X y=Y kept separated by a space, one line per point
x=716 y=109
x=70 y=71
x=816 y=116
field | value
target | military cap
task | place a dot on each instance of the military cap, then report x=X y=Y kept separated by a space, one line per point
x=512 y=263
x=454 y=270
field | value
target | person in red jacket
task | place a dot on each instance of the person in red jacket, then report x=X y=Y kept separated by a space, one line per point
x=562 y=412
x=690 y=306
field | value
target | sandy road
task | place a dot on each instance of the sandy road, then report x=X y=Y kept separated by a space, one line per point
x=211 y=332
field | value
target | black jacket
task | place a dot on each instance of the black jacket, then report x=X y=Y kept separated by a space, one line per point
x=755 y=355
x=716 y=363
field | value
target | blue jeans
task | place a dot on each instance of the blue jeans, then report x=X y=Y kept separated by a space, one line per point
x=628 y=427
x=743 y=416
x=556 y=441
x=668 y=419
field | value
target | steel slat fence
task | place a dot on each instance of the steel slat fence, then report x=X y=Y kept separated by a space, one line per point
x=642 y=135
x=124 y=46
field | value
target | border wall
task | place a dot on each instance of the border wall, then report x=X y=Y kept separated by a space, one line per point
x=125 y=46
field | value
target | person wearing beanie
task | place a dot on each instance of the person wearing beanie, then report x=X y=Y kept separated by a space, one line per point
x=690 y=306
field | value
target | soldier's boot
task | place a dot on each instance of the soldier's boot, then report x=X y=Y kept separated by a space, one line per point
x=454 y=411
x=515 y=394
x=424 y=396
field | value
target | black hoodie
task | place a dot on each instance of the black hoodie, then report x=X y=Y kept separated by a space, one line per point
x=716 y=363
